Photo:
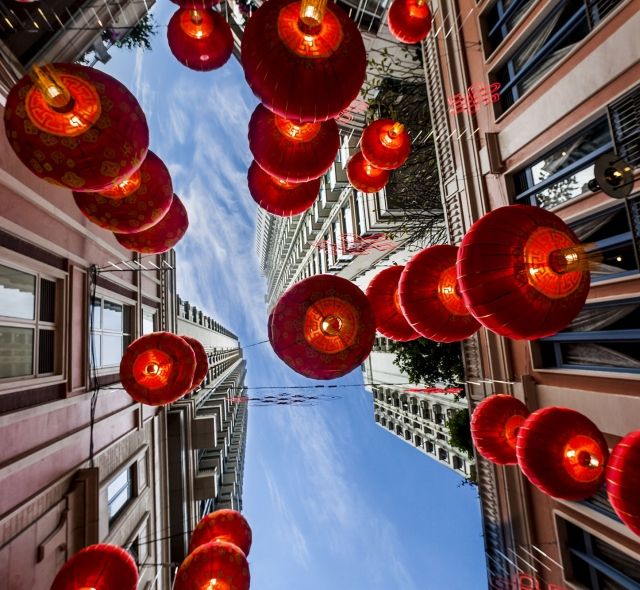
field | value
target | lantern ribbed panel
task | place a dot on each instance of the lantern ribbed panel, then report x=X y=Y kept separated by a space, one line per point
x=284 y=201
x=430 y=299
x=137 y=211
x=222 y=525
x=544 y=440
x=408 y=21
x=623 y=480
x=382 y=293
x=108 y=152
x=504 y=291
x=297 y=336
x=202 y=361
x=494 y=425
x=219 y=561
x=175 y=362
x=296 y=86
x=203 y=55
x=382 y=155
x=162 y=236
x=101 y=567
x=287 y=158
x=366 y=177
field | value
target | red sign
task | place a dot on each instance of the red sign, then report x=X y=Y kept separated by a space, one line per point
x=522 y=582
x=354 y=245
x=357 y=107
x=476 y=95
x=435 y=390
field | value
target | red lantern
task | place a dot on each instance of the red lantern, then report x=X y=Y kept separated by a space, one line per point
x=409 y=20
x=145 y=199
x=562 y=453
x=494 y=427
x=364 y=176
x=430 y=298
x=162 y=236
x=214 y=566
x=385 y=144
x=158 y=368
x=76 y=127
x=323 y=327
x=202 y=361
x=382 y=293
x=222 y=525
x=101 y=567
x=200 y=39
x=304 y=60
x=279 y=196
x=623 y=480
x=295 y=152
x=522 y=272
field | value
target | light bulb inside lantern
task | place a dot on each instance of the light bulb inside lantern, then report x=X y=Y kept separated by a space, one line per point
x=197 y=24
x=389 y=137
x=152 y=369
x=312 y=12
x=331 y=325
x=215 y=584
x=53 y=90
x=416 y=9
x=125 y=188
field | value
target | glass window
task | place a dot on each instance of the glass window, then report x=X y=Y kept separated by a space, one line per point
x=501 y=18
x=119 y=492
x=110 y=333
x=16 y=352
x=148 y=322
x=564 y=172
x=17 y=293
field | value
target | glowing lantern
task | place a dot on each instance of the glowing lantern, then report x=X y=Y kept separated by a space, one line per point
x=279 y=196
x=304 y=60
x=323 y=327
x=430 y=298
x=214 y=566
x=222 y=525
x=409 y=20
x=522 y=272
x=385 y=144
x=494 y=428
x=76 y=127
x=202 y=361
x=162 y=236
x=200 y=39
x=295 y=152
x=623 y=480
x=144 y=199
x=158 y=368
x=98 y=567
x=382 y=293
x=562 y=453
x=364 y=176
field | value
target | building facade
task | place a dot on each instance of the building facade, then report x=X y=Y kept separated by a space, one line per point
x=568 y=73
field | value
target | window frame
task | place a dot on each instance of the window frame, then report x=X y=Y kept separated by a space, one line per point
x=500 y=25
x=129 y=328
x=131 y=486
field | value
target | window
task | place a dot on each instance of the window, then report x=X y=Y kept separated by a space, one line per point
x=429 y=446
x=603 y=337
x=148 y=322
x=501 y=18
x=119 y=492
x=563 y=173
x=443 y=455
x=567 y=25
x=109 y=332
x=596 y=564
x=344 y=150
x=28 y=342
x=624 y=114
x=458 y=463
x=600 y=503
x=361 y=216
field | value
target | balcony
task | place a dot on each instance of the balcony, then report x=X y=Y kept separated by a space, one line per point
x=204 y=432
x=205 y=484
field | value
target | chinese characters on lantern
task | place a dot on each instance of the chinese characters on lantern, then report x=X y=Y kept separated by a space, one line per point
x=476 y=95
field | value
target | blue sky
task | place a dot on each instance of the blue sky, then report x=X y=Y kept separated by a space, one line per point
x=334 y=501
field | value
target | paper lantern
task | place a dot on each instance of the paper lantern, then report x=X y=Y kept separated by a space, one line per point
x=562 y=453
x=202 y=361
x=382 y=293
x=200 y=39
x=76 y=127
x=386 y=144
x=409 y=20
x=494 y=428
x=100 y=567
x=304 y=60
x=158 y=368
x=222 y=525
x=364 y=176
x=522 y=272
x=214 y=566
x=281 y=197
x=323 y=327
x=430 y=298
x=295 y=152
x=138 y=209
x=623 y=480
x=162 y=236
